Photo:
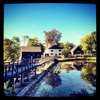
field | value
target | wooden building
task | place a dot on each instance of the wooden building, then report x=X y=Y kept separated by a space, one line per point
x=30 y=51
x=76 y=50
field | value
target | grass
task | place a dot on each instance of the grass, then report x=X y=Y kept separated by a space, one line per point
x=77 y=58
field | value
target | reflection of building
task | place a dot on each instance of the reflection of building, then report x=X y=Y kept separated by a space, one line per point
x=78 y=65
x=30 y=51
x=54 y=50
x=76 y=50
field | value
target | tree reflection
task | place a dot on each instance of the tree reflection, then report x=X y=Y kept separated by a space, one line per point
x=74 y=66
x=78 y=65
x=67 y=67
x=53 y=79
x=89 y=73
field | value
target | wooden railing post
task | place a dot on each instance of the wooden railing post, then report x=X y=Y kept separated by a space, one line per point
x=9 y=65
x=5 y=70
x=31 y=61
x=17 y=67
x=13 y=85
x=22 y=78
x=28 y=76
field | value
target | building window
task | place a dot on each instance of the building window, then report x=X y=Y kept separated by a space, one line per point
x=59 y=50
x=59 y=53
x=51 y=53
x=51 y=50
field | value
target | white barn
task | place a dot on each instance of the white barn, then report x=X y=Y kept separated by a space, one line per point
x=54 y=50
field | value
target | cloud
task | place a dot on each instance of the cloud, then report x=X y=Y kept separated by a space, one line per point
x=76 y=35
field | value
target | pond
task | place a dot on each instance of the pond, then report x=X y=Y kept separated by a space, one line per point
x=68 y=79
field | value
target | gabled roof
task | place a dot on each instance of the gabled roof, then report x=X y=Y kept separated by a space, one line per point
x=74 y=48
x=55 y=47
x=30 y=49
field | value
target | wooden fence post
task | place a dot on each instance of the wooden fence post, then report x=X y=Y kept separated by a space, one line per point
x=31 y=61
x=22 y=78
x=13 y=84
x=28 y=76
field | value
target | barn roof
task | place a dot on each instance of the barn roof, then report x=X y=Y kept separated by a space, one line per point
x=55 y=47
x=74 y=48
x=30 y=49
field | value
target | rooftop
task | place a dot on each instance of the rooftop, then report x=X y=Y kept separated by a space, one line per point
x=30 y=49
x=55 y=47
x=73 y=48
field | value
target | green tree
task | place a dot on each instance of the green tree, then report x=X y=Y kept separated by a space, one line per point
x=7 y=49
x=67 y=47
x=65 y=51
x=89 y=42
x=35 y=42
x=61 y=45
x=16 y=46
x=11 y=48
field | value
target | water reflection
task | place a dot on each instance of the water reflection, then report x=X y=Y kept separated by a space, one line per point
x=89 y=73
x=71 y=66
x=78 y=65
x=53 y=79
x=88 y=69
x=68 y=79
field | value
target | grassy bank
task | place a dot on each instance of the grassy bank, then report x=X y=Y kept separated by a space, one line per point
x=78 y=58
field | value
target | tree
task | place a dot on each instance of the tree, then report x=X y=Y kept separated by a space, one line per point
x=7 y=49
x=16 y=46
x=65 y=51
x=89 y=42
x=25 y=38
x=35 y=42
x=16 y=39
x=11 y=48
x=52 y=37
x=67 y=47
x=61 y=45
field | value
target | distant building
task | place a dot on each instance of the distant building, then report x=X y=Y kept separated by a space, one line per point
x=76 y=50
x=30 y=51
x=54 y=50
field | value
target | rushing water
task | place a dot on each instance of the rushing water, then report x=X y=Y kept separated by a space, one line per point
x=68 y=79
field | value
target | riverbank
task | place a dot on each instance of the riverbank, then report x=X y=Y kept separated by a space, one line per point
x=78 y=58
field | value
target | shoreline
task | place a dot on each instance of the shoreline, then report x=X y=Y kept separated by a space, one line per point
x=72 y=59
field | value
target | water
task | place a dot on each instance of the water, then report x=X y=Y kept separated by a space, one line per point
x=68 y=79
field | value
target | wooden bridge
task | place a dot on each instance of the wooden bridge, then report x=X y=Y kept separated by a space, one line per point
x=18 y=68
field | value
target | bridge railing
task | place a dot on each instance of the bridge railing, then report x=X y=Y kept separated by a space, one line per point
x=17 y=67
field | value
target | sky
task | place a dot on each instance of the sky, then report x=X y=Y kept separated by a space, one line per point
x=73 y=20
